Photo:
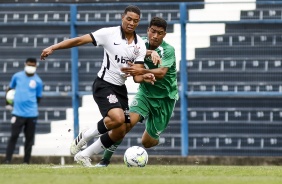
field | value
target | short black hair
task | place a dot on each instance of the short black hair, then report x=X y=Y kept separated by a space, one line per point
x=32 y=60
x=132 y=8
x=159 y=22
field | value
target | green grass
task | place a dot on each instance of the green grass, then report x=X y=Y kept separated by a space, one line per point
x=155 y=174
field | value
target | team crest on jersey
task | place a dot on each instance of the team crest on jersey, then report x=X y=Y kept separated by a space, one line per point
x=136 y=50
x=112 y=98
x=32 y=84
x=134 y=102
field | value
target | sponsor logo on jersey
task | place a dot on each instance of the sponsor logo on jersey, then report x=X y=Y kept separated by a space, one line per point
x=123 y=60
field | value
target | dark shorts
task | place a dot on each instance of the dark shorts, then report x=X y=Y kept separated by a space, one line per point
x=108 y=96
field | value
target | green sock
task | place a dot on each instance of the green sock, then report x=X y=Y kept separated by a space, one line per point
x=110 y=151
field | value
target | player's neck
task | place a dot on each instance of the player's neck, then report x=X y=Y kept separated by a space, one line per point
x=129 y=38
x=152 y=47
x=29 y=75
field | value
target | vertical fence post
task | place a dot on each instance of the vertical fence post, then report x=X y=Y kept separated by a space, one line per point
x=74 y=72
x=183 y=82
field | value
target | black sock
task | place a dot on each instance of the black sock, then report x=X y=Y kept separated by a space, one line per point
x=101 y=127
x=106 y=140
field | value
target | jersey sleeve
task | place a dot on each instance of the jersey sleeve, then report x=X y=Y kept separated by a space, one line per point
x=169 y=57
x=142 y=53
x=13 y=82
x=100 y=37
x=39 y=88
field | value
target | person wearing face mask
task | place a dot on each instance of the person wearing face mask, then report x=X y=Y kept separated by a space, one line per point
x=28 y=88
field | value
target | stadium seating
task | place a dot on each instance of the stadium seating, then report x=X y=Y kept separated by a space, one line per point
x=246 y=58
x=243 y=60
x=26 y=29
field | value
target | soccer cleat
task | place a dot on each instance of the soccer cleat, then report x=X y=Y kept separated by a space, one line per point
x=83 y=160
x=78 y=143
x=103 y=163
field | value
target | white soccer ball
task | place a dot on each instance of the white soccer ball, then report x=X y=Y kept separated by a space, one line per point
x=10 y=96
x=135 y=156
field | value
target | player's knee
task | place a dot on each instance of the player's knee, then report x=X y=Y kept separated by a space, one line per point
x=149 y=144
x=119 y=120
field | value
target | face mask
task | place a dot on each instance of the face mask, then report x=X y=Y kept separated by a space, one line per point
x=30 y=69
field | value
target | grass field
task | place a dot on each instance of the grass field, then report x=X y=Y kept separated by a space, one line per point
x=155 y=174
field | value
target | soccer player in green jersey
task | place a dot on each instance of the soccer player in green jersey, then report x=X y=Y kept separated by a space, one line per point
x=155 y=103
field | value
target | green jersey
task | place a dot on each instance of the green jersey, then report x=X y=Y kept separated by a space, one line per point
x=167 y=86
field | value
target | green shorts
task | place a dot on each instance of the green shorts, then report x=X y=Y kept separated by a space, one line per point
x=156 y=111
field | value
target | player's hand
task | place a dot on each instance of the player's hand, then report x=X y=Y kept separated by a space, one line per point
x=125 y=75
x=132 y=69
x=156 y=59
x=46 y=52
x=149 y=77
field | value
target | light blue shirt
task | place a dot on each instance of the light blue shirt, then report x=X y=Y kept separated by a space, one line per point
x=27 y=89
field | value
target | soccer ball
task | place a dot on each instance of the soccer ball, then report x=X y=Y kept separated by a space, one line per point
x=135 y=156
x=10 y=96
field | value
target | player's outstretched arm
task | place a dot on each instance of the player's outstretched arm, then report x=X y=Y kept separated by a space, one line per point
x=69 y=43
x=135 y=70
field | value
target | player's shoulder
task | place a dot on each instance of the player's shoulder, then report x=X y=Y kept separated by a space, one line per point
x=167 y=46
x=139 y=38
x=114 y=28
x=145 y=39
x=19 y=74
x=38 y=78
x=109 y=30
x=141 y=42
